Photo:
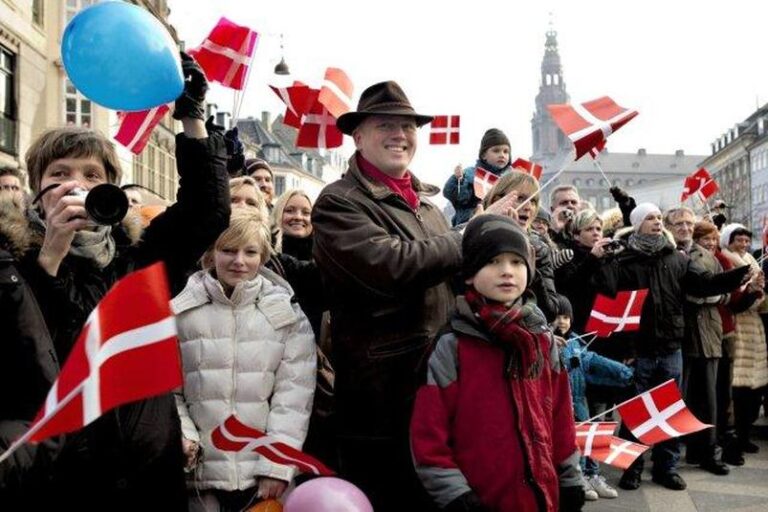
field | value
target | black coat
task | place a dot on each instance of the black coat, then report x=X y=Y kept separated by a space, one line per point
x=130 y=458
x=574 y=280
x=543 y=284
x=669 y=276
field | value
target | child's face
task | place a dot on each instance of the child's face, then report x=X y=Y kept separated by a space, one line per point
x=502 y=279
x=563 y=323
x=497 y=155
x=236 y=264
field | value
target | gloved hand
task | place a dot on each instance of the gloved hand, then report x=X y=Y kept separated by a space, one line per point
x=235 y=152
x=625 y=202
x=191 y=103
x=719 y=220
x=467 y=502
x=571 y=499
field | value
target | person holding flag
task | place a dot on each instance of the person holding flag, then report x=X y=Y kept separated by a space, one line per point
x=494 y=157
x=130 y=458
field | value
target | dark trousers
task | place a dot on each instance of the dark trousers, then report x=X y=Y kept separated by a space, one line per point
x=700 y=392
x=746 y=409
x=650 y=372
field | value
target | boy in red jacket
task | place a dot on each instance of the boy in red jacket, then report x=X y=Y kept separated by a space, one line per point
x=493 y=429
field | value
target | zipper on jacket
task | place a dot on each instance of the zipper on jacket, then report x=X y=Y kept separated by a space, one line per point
x=234 y=385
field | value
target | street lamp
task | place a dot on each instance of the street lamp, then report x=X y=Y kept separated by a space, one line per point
x=282 y=67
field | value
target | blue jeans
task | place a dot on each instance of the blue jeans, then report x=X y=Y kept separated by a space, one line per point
x=650 y=372
x=589 y=467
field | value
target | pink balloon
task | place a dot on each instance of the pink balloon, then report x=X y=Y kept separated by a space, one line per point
x=327 y=494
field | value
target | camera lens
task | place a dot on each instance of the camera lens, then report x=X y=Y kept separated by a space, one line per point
x=106 y=204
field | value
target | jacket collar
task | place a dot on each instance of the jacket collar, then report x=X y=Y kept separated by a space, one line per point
x=379 y=191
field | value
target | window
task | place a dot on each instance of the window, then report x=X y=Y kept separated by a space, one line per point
x=629 y=183
x=279 y=185
x=590 y=182
x=38 y=12
x=606 y=202
x=77 y=106
x=576 y=182
x=7 y=101
x=73 y=6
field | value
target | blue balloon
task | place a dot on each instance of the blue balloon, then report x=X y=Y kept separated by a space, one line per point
x=121 y=57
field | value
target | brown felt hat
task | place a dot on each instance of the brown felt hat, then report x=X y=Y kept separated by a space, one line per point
x=384 y=98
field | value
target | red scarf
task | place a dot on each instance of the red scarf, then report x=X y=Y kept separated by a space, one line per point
x=400 y=186
x=504 y=324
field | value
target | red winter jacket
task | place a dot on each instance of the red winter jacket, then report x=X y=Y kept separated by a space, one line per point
x=475 y=428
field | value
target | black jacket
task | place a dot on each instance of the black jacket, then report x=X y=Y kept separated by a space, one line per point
x=130 y=458
x=574 y=280
x=543 y=284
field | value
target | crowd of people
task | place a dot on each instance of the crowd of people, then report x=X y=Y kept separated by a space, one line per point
x=435 y=367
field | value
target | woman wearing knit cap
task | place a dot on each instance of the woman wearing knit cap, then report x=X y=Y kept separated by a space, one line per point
x=750 y=364
x=460 y=189
x=652 y=262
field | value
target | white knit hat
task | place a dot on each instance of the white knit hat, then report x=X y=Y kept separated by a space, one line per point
x=727 y=232
x=640 y=212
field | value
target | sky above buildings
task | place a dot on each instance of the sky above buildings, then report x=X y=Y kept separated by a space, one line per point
x=691 y=70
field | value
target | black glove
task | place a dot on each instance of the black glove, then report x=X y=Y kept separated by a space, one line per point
x=719 y=220
x=467 y=502
x=625 y=202
x=571 y=499
x=235 y=152
x=191 y=103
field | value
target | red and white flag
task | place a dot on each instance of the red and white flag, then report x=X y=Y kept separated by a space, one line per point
x=595 y=151
x=659 y=414
x=126 y=351
x=619 y=453
x=616 y=315
x=235 y=436
x=590 y=123
x=226 y=53
x=700 y=182
x=483 y=182
x=591 y=436
x=318 y=129
x=445 y=130
x=136 y=127
x=298 y=99
x=527 y=167
x=336 y=92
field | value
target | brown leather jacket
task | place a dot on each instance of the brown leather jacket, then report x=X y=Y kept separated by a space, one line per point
x=385 y=270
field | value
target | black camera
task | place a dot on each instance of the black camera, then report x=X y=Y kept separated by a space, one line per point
x=612 y=246
x=106 y=204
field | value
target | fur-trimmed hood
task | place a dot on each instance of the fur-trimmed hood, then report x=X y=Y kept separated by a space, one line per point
x=15 y=233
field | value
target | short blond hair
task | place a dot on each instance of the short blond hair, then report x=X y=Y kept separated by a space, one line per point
x=70 y=142
x=583 y=220
x=236 y=184
x=277 y=214
x=246 y=226
x=514 y=180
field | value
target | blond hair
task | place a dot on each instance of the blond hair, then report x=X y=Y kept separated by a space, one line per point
x=70 y=142
x=583 y=220
x=277 y=214
x=236 y=184
x=246 y=226
x=517 y=181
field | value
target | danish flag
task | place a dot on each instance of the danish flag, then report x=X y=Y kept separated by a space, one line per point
x=595 y=151
x=589 y=124
x=616 y=315
x=235 y=436
x=445 y=130
x=126 y=351
x=527 y=167
x=700 y=182
x=619 y=453
x=483 y=182
x=318 y=129
x=336 y=93
x=591 y=436
x=298 y=99
x=136 y=127
x=226 y=53
x=659 y=414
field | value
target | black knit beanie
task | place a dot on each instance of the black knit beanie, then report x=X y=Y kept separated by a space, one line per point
x=564 y=306
x=493 y=137
x=487 y=236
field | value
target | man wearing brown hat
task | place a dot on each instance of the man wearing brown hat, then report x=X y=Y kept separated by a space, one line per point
x=386 y=254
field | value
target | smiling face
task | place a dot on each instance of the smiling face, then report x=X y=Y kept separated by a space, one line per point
x=388 y=142
x=740 y=244
x=296 y=219
x=502 y=279
x=681 y=226
x=264 y=180
x=710 y=241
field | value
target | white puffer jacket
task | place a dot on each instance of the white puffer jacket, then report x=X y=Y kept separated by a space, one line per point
x=252 y=354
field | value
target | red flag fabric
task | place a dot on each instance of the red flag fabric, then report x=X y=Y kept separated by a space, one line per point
x=589 y=124
x=126 y=351
x=298 y=99
x=591 y=436
x=235 y=436
x=616 y=315
x=659 y=414
x=595 y=151
x=619 y=453
x=527 y=167
x=336 y=93
x=136 y=127
x=318 y=129
x=483 y=182
x=226 y=53
x=700 y=182
x=445 y=130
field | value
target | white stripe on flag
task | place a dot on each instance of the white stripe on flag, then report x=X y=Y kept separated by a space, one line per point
x=226 y=51
x=136 y=338
x=235 y=64
x=600 y=123
x=91 y=391
x=322 y=120
x=618 y=449
x=286 y=97
x=658 y=419
x=143 y=127
x=274 y=449
x=614 y=320
x=346 y=100
x=251 y=443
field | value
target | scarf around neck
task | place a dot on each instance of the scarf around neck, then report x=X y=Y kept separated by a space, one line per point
x=403 y=187
x=516 y=328
x=97 y=246
x=647 y=244
x=492 y=168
